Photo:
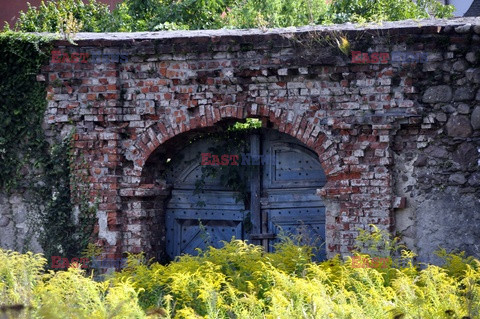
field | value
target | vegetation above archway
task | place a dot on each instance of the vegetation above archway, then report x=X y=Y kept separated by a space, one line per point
x=155 y=15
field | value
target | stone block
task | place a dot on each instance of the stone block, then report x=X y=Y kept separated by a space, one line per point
x=459 y=126
x=438 y=94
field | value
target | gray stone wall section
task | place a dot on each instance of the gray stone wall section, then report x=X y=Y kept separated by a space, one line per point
x=437 y=164
x=435 y=216
x=16 y=231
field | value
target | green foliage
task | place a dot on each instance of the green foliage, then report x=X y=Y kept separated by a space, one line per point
x=22 y=103
x=242 y=281
x=342 y=11
x=134 y=15
x=70 y=294
x=26 y=292
x=456 y=263
x=291 y=256
x=377 y=242
x=249 y=124
x=69 y=26
x=154 y=15
x=433 y=8
x=189 y=14
x=50 y=16
x=275 y=13
x=18 y=277
x=26 y=156
x=92 y=251
x=60 y=233
x=144 y=275
x=198 y=282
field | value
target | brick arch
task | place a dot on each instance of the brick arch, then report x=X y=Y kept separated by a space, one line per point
x=306 y=129
x=358 y=191
x=312 y=135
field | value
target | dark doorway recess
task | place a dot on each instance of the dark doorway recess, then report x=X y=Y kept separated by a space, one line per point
x=281 y=179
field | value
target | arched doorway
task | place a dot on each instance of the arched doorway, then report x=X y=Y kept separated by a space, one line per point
x=280 y=178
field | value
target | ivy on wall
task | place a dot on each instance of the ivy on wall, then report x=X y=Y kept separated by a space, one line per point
x=27 y=160
x=67 y=217
x=22 y=103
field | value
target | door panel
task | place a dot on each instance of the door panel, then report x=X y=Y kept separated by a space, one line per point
x=290 y=165
x=204 y=219
x=290 y=203
x=190 y=225
x=308 y=223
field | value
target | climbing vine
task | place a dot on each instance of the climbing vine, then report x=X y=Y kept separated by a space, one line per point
x=28 y=161
x=67 y=216
x=22 y=104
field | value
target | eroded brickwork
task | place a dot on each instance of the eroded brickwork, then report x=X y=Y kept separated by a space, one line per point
x=358 y=118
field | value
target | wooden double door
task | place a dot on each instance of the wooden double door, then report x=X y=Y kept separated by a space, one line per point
x=282 y=186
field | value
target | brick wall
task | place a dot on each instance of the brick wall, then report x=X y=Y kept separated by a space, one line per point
x=366 y=122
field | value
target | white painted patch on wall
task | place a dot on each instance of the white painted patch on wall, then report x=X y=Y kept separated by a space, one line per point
x=103 y=232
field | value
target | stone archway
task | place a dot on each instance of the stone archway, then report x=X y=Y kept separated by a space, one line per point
x=342 y=193
x=269 y=189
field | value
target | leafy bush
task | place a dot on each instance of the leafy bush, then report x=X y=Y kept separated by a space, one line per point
x=19 y=274
x=22 y=104
x=60 y=192
x=71 y=294
x=154 y=15
x=342 y=11
x=50 y=15
x=26 y=292
x=275 y=13
x=242 y=281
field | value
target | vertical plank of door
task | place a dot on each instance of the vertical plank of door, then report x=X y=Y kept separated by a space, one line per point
x=255 y=209
x=264 y=214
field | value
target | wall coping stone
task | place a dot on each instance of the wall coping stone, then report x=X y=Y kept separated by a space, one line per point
x=404 y=27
